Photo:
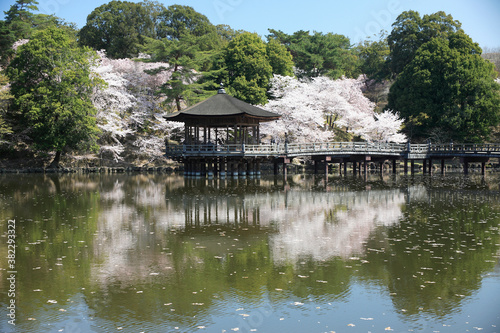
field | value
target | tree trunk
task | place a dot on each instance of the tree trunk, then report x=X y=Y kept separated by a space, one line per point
x=55 y=163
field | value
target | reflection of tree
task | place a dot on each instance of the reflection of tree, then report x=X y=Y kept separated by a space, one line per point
x=326 y=225
x=56 y=218
x=439 y=252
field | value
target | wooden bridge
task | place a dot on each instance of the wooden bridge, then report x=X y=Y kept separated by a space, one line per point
x=242 y=159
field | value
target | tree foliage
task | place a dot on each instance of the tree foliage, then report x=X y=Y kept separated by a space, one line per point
x=20 y=23
x=318 y=54
x=119 y=27
x=178 y=21
x=181 y=57
x=130 y=114
x=373 y=56
x=52 y=84
x=410 y=31
x=322 y=109
x=448 y=91
x=5 y=98
x=250 y=63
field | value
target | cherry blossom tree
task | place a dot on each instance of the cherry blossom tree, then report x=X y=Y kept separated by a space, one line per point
x=310 y=109
x=128 y=110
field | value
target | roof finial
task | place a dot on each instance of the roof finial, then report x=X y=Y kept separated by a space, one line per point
x=221 y=89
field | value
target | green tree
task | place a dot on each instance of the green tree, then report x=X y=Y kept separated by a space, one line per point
x=279 y=58
x=448 y=92
x=20 y=18
x=249 y=63
x=52 y=84
x=373 y=58
x=20 y=23
x=248 y=68
x=7 y=39
x=318 y=54
x=181 y=56
x=119 y=27
x=178 y=21
x=410 y=31
x=5 y=98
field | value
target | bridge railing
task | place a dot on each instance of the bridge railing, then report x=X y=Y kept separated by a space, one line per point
x=345 y=147
x=451 y=148
x=317 y=148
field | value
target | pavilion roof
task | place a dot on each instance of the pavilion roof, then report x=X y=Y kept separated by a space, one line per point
x=222 y=105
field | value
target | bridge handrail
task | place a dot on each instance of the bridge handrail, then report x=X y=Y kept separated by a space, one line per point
x=331 y=148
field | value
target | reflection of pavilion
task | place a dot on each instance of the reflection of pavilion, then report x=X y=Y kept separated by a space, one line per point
x=233 y=211
x=216 y=129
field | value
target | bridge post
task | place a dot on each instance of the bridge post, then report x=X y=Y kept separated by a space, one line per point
x=483 y=168
x=231 y=167
x=210 y=168
x=412 y=166
x=394 y=166
x=251 y=168
x=430 y=166
x=222 y=168
x=442 y=167
x=345 y=168
x=424 y=170
x=241 y=168
x=406 y=166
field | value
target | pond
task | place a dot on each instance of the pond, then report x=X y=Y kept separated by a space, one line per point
x=164 y=253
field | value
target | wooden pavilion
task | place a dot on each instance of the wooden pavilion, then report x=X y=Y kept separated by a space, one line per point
x=217 y=124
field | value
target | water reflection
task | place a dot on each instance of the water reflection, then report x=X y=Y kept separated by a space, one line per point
x=160 y=253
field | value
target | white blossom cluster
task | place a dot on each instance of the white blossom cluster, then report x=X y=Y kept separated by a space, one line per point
x=128 y=109
x=305 y=107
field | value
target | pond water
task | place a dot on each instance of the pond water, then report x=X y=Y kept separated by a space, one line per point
x=162 y=253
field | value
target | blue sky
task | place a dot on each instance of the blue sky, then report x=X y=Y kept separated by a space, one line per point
x=356 y=19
